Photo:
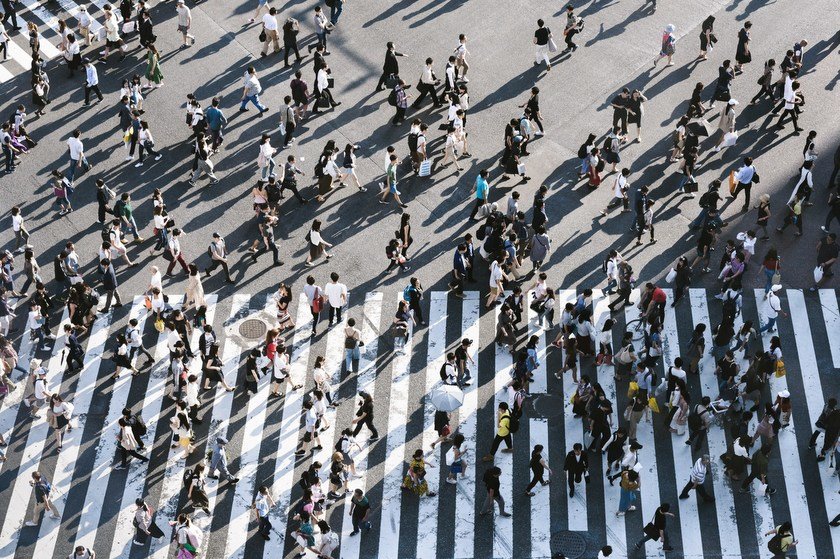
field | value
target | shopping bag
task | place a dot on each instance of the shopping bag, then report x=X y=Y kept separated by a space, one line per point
x=632 y=389
x=147 y=302
x=128 y=26
x=653 y=405
x=780 y=369
x=672 y=275
x=159 y=325
x=520 y=168
x=732 y=182
x=818 y=274
x=425 y=168
x=552 y=46
x=729 y=139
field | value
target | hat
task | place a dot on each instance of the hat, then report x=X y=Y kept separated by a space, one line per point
x=776 y=288
x=221 y=440
x=86 y=60
x=216 y=236
x=670 y=28
x=764 y=198
x=784 y=394
x=733 y=101
x=34 y=364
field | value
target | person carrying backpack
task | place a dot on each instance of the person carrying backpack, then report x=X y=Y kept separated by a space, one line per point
x=782 y=541
x=698 y=422
x=42 y=489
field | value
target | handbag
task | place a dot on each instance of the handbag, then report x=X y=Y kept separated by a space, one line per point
x=632 y=389
x=159 y=325
x=128 y=26
x=552 y=46
x=653 y=405
x=323 y=102
x=777 y=277
x=732 y=182
x=520 y=168
x=317 y=303
x=263 y=36
x=147 y=302
x=672 y=275
x=425 y=168
x=780 y=369
x=818 y=274
x=391 y=81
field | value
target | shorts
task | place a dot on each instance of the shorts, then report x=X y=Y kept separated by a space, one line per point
x=699 y=253
x=113 y=44
x=307 y=437
x=393 y=188
x=183 y=29
x=456 y=468
x=494 y=291
x=263 y=2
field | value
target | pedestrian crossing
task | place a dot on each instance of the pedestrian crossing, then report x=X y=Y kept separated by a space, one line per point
x=96 y=500
x=19 y=59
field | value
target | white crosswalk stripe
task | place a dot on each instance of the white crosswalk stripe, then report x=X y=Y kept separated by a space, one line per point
x=403 y=429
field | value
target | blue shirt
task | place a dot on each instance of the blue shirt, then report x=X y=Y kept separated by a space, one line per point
x=458 y=263
x=215 y=119
x=481 y=188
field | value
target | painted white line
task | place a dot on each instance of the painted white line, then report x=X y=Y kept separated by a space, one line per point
x=540 y=505
x=81 y=399
x=33 y=449
x=649 y=476
x=798 y=509
x=107 y=446
x=249 y=454
x=436 y=356
x=370 y=325
x=467 y=416
x=20 y=56
x=831 y=316
x=220 y=417
x=540 y=384
x=72 y=10
x=688 y=512
x=389 y=528
x=615 y=525
x=5 y=75
x=814 y=400
x=502 y=527
x=284 y=466
x=9 y=404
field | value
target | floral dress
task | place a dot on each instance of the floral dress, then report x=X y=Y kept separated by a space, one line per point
x=415 y=480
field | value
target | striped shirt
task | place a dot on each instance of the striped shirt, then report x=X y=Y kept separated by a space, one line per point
x=698 y=472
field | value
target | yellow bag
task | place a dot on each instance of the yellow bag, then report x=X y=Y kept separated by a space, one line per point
x=732 y=182
x=159 y=325
x=128 y=134
x=653 y=405
x=780 y=369
x=632 y=389
x=573 y=399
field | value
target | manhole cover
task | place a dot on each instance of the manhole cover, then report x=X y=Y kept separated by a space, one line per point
x=570 y=544
x=252 y=329
x=548 y=405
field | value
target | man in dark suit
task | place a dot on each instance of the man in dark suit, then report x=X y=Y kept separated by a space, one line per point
x=146 y=27
x=109 y=282
x=576 y=467
x=391 y=66
x=75 y=351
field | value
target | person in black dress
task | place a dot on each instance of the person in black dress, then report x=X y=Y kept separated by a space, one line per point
x=707 y=36
x=742 y=53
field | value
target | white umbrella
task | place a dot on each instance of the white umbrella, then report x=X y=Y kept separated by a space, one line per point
x=446 y=397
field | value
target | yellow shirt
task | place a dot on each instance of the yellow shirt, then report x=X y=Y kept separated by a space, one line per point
x=504 y=424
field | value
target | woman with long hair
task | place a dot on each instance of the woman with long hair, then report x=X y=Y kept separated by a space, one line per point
x=154 y=75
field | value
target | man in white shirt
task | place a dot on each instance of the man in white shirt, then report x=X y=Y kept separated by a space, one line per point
x=745 y=176
x=791 y=100
x=772 y=308
x=336 y=296
x=112 y=35
x=251 y=90
x=77 y=155
x=184 y=24
x=19 y=229
x=322 y=27
x=461 y=53
x=428 y=82
x=174 y=247
x=270 y=27
x=91 y=81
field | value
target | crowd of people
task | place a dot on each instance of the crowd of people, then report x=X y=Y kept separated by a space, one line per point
x=502 y=246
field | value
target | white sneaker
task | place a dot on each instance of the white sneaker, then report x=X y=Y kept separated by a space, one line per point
x=452 y=481
x=30 y=523
x=128 y=158
x=138 y=164
x=538 y=133
x=159 y=156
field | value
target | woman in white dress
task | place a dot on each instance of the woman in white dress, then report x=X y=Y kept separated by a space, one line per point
x=195 y=290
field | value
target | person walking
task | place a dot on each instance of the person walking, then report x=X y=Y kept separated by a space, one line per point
x=42 y=489
x=503 y=432
x=427 y=85
x=698 y=477
x=364 y=417
x=707 y=37
x=538 y=467
x=771 y=309
x=542 y=38
x=291 y=28
x=184 y=24
x=574 y=25
x=176 y=256
x=390 y=68
x=742 y=51
x=656 y=529
x=698 y=422
x=144 y=524
x=110 y=284
x=668 y=46
x=629 y=485
x=782 y=541
x=91 y=81
x=401 y=101
x=391 y=185
x=270 y=29
x=492 y=485
x=758 y=470
x=745 y=177
x=218 y=257
x=481 y=189
x=261 y=505
x=576 y=467
x=251 y=90
x=359 y=511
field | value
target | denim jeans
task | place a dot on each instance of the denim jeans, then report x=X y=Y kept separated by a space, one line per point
x=351 y=355
x=768 y=275
x=71 y=173
x=627 y=498
x=255 y=99
x=268 y=170
x=335 y=11
x=771 y=323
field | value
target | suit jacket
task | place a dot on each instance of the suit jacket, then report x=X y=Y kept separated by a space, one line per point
x=147 y=34
x=109 y=279
x=125 y=117
x=391 y=66
x=572 y=465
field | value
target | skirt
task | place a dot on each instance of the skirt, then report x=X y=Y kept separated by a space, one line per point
x=61 y=421
x=212 y=375
x=315 y=251
x=324 y=184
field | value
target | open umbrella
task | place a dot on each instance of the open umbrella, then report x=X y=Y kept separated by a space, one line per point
x=447 y=397
x=699 y=127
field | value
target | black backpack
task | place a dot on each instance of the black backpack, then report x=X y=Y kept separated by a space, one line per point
x=119 y=206
x=330 y=3
x=730 y=309
x=695 y=421
x=140 y=425
x=188 y=476
x=705 y=200
x=443 y=374
x=412 y=141
x=582 y=151
x=392 y=98
x=513 y=423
